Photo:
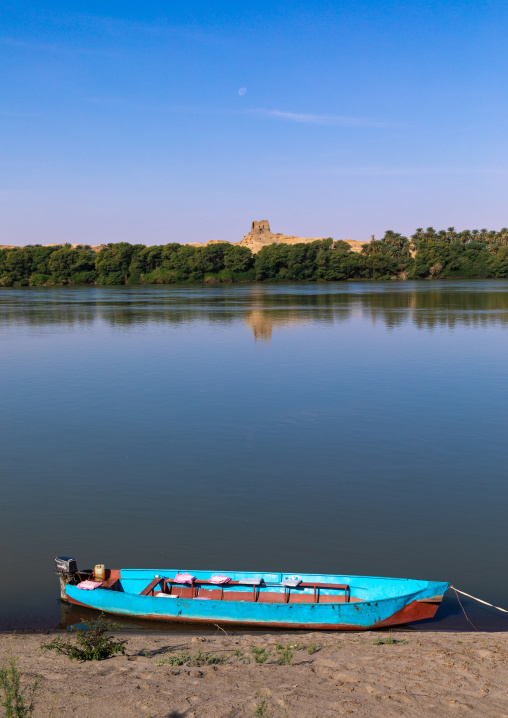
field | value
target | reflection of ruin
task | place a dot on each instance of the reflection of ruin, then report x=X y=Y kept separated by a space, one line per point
x=263 y=321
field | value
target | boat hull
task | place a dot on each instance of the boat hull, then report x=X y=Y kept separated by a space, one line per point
x=353 y=616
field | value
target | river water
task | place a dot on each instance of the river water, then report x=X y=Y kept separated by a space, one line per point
x=343 y=428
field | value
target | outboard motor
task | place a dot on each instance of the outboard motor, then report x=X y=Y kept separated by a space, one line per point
x=65 y=568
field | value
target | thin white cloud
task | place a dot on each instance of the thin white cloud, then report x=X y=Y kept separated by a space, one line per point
x=30 y=45
x=121 y=27
x=330 y=120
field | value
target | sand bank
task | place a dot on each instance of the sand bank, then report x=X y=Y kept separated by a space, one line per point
x=421 y=674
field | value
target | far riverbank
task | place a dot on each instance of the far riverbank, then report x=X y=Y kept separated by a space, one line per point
x=443 y=255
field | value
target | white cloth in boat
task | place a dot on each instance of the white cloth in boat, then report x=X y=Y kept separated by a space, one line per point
x=158 y=594
x=291 y=581
x=161 y=594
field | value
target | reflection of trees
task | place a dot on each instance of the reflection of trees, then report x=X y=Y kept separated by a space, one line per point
x=263 y=307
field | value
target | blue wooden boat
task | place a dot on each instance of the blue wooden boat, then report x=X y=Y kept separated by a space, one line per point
x=265 y=599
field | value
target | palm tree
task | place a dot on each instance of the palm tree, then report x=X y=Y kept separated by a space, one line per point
x=502 y=235
x=416 y=239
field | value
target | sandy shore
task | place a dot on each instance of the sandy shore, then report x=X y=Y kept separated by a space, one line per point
x=421 y=674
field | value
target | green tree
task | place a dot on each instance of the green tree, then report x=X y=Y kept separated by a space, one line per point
x=61 y=262
x=237 y=259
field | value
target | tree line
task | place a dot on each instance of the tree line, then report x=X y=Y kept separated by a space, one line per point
x=426 y=254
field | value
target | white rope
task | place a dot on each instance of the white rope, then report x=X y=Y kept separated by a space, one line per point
x=479 y=600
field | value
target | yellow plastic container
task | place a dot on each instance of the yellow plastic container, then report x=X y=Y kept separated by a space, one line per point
x=99 y=572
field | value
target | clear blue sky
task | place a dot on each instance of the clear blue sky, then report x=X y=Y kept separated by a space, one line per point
x=155 y=122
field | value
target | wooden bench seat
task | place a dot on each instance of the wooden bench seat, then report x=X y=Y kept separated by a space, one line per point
x=206 y=589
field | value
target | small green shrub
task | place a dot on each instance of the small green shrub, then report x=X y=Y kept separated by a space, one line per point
x=226 y=275
x=312 y=648
x=18 y=702
x=248 y=276
x=241 y=656
x=174 y=659
x=159 y=276
x=389 y=640
x=286 y=654
x=37 y=279
x=206 y=659
x=199 y=658
x=261 y=655
x=262 y=709
x=91 y=644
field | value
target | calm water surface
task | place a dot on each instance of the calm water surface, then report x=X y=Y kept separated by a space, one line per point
x=321 y=427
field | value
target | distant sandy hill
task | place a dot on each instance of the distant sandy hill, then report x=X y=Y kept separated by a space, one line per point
x=261 y=235
x=61 y=244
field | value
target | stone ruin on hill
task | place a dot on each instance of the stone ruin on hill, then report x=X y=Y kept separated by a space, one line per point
x=260 y=235
x=260 y=226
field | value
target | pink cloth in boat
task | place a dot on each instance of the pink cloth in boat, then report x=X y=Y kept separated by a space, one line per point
x=89 y=585
x=219 y=578
x=202 y=598
x=184 y=578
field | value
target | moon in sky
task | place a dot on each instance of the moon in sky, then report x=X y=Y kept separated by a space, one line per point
x=242 y=91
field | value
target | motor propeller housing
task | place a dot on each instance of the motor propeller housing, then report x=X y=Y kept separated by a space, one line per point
x=65 y=564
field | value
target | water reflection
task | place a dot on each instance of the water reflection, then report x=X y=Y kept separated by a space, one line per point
x=158 y=413
x=263 y=308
